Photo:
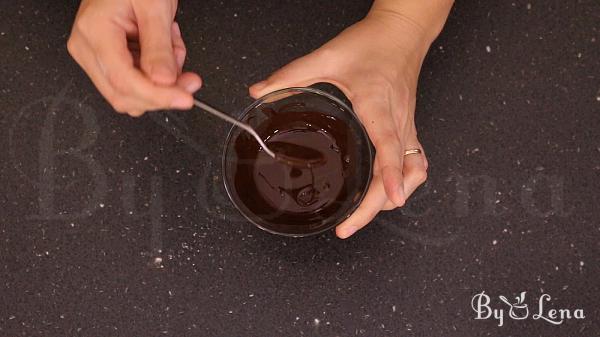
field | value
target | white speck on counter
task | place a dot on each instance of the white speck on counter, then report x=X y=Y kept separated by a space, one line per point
x=495 y=242
x=101 y=205
x=488 y=49
x=393 y=308
x=26 y=48
x=528 y=6
x=158 y=262
x=317 y=322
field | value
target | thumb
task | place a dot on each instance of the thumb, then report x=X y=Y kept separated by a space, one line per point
x=157 y=59
x=301 y=72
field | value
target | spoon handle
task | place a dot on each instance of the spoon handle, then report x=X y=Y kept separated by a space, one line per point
x=246 y=127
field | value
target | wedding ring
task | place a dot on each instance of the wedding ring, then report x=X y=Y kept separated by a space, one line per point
x=412 y=151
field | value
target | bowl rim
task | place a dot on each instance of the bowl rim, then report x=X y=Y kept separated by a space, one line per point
x=261 y=100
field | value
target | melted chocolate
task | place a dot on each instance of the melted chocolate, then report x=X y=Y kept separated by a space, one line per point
x=306 y=191
x=296 y=155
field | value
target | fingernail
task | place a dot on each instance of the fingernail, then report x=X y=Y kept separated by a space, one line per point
x=192 y=87
x=177 y=29
x=259 y=86
x=181 y=102
x=346 y=233
x=402 y=196
x=162 y=74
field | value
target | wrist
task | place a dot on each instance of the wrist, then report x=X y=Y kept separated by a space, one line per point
x=415 y=22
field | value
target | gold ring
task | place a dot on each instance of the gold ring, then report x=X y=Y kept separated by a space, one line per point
x=412 y=151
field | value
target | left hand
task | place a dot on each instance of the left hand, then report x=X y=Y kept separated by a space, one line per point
x=376 y=63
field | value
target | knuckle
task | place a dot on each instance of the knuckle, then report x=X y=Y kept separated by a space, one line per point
x=72 y=46
x=119 y=105
x=117 y=81
x=422 y=176
x=82 y=24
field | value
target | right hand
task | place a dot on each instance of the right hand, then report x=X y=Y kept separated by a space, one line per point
x=376 y=63
x=133 y=52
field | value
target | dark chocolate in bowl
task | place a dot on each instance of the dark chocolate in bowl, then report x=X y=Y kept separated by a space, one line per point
x=292 y=200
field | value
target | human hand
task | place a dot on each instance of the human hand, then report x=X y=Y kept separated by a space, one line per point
x=133 y=52
x=376 y=63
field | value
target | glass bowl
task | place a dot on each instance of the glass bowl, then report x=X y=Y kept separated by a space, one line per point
x=298 y=208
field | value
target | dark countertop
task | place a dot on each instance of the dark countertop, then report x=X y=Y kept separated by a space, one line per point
x=113 y=226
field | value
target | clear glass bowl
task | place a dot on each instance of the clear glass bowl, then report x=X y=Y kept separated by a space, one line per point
x=356 y=182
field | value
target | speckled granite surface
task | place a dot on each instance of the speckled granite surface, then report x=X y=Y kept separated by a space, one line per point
x=112 y=226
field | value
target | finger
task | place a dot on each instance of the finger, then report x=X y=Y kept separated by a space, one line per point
x=135 y=113
x=424 y=157
x=157 y=59
x=388 y=146
x=179 y=50
x=190 y=82
x=415 y=172
x=389 y=205
x=368 y=209
x=116 y=63
x=301 y=72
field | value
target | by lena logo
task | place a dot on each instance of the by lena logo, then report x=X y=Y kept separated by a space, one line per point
x=519 y=310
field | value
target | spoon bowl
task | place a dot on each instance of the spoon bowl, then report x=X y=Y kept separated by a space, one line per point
x=288 y=153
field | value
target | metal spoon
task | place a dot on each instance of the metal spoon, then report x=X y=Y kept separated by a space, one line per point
x=283 y=152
